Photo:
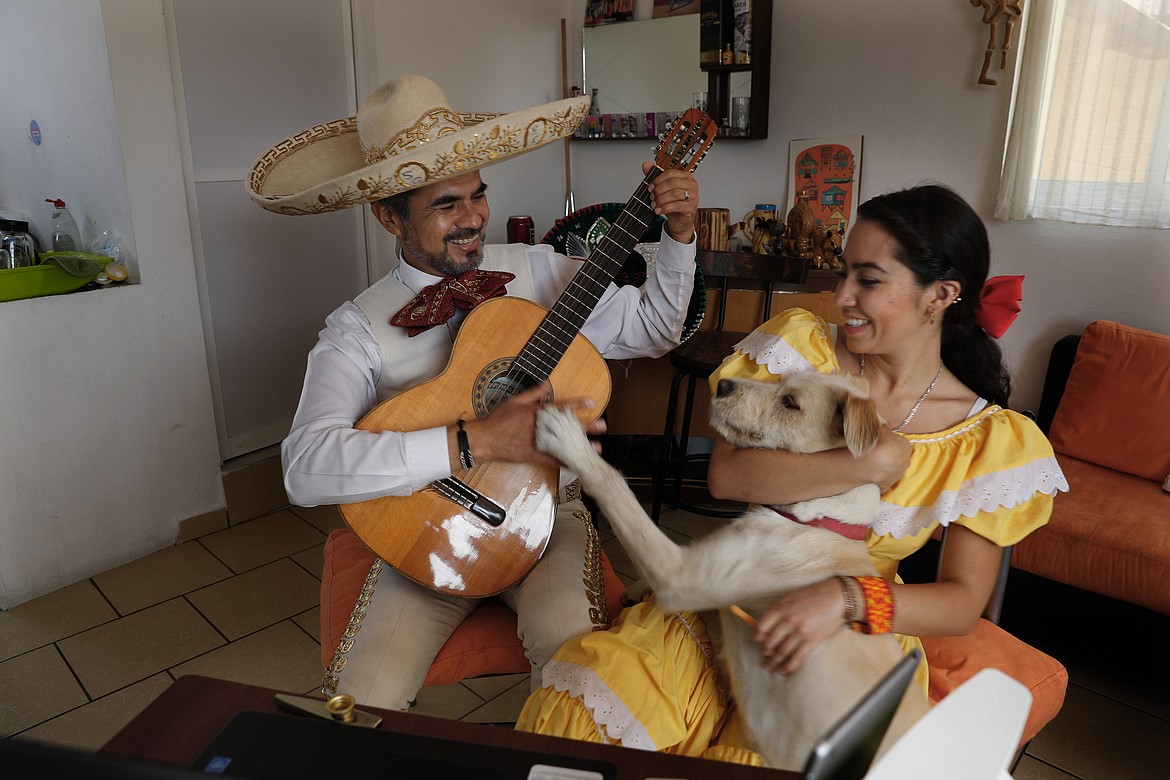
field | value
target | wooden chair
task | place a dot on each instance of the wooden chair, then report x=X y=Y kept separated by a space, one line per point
x=954 y=660
x=695 y=359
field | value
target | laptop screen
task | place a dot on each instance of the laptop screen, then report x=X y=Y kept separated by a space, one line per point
x=275 y=747
x=848 y=750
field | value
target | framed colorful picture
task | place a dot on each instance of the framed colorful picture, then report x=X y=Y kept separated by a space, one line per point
x=829 y=171
x=607 y=11
x=675 y=7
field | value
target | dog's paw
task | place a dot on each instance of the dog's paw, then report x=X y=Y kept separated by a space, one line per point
x=559 y=433
x=638 y=591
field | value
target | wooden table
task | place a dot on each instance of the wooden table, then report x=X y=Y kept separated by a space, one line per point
x=182 y=722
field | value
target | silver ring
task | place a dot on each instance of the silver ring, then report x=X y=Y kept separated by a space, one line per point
x=686 y=194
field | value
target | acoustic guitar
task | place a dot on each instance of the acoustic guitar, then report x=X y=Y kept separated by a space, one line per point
x=482 y=529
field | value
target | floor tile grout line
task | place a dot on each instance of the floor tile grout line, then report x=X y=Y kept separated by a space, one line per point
x=92 y=700
x=206 y=619
x=1120 y=702
x=93 y=581
x=1051 y=765
x=72 y=671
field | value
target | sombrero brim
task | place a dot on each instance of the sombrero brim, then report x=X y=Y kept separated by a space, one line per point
x=322 y=169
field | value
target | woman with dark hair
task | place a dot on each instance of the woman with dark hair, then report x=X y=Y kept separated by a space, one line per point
x=920 y=319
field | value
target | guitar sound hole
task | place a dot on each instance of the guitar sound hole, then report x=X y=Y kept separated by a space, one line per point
x=497 y=383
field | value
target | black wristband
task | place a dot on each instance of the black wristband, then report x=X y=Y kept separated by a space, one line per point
x=464 y=448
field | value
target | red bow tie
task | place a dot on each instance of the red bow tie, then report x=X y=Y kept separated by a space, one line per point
x=436 y=303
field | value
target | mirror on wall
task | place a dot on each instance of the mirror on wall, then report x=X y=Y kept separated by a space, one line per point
x=648 y=66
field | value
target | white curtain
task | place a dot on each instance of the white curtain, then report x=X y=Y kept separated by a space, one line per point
x=1089 y=138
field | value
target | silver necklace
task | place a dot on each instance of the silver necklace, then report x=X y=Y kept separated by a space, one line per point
x=921 y=398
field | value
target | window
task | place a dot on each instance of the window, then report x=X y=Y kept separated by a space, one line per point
x=1089 y=139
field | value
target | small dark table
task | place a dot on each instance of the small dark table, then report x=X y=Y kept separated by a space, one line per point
x=179 y=724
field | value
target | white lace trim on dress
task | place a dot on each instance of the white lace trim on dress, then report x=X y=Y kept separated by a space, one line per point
x=1002 y=489
x=613 y=719
x=774 y=352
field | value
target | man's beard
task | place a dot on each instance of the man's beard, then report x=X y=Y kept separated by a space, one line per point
x=442 y=262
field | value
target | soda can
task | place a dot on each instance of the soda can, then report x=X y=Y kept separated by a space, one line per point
x=521 y=230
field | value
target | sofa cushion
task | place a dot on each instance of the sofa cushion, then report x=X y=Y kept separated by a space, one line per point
x=1109 y=534
x=485 y=643
x=1115 y=411
x=955 y=659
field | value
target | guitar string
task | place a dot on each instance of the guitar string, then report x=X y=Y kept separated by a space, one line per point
x=685 y=143
x=580 y=307
x=586 y=274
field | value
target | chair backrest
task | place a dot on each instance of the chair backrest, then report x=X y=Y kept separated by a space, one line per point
x=848 y=749
x=771 y=270
x=1060 y=364
x=994 y=607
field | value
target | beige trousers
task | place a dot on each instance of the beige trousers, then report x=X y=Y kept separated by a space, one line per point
x=404 y=625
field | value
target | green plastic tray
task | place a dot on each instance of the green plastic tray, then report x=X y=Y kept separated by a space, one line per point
x=36 y=280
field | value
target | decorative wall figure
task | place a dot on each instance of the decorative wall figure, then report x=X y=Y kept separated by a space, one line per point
x=828 y=172
x=995 y=13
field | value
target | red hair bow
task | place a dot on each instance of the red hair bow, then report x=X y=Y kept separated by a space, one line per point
x=999 y=303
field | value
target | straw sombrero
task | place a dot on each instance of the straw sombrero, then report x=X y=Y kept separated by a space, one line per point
x=404 y=136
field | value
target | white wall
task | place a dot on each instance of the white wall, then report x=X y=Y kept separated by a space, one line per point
x=499 y=56
x=107 y=438
x=106 y=429
x=903 y=73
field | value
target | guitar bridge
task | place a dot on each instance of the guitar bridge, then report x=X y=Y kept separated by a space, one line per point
x=459 y=492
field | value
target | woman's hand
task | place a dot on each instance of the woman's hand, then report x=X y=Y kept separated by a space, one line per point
x=797 y=623
x=889 y=458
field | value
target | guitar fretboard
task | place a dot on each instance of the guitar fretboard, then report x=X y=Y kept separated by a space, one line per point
x=547 y=346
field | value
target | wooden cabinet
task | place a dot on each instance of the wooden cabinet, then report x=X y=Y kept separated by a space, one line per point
x=640 y=387
x=720 y=78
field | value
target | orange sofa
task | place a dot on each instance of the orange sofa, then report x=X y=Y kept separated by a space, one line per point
x=1106 y=409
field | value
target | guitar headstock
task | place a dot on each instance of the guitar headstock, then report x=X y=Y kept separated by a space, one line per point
x=686 y=141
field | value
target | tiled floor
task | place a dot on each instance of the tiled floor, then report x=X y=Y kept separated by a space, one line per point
x=241 y=603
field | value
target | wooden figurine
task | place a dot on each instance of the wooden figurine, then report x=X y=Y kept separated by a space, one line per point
x=994 y=12
x=828 y=250
x=800 y=232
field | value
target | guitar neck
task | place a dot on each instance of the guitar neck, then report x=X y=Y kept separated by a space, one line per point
x=547 y=346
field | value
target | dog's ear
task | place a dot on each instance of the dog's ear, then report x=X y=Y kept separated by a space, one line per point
x=863 y=424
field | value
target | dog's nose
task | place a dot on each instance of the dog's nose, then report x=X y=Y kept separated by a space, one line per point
x=724 y=387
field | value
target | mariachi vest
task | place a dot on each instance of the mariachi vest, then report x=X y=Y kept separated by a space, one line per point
x=408 y=361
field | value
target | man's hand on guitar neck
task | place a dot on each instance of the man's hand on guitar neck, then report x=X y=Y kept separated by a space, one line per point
x=675 y=193
x=508 y=433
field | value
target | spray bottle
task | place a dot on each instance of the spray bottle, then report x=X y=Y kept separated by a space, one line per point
x=65 y=237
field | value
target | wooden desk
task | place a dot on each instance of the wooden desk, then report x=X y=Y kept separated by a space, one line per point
x=179 y=724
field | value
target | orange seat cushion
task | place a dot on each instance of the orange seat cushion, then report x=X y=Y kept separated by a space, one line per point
x=484 y=643
x=1115 y=410
x=955 y=659
x=1110 y=534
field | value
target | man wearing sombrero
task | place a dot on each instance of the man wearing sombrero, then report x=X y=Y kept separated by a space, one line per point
x=417 y=163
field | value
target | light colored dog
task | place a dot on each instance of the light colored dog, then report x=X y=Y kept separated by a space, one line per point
x=764 y=554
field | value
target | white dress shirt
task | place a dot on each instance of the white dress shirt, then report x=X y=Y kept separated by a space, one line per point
x=327 y=461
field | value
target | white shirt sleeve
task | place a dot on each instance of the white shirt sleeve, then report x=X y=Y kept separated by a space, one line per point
x=327 y=461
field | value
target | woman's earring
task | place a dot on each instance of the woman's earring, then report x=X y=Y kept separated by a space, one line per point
x=932 y=316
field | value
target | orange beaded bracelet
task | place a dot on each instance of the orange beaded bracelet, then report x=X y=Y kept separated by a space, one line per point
x=879 y=606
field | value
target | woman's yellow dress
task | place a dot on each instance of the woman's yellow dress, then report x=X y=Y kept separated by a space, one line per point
x=650 y=681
